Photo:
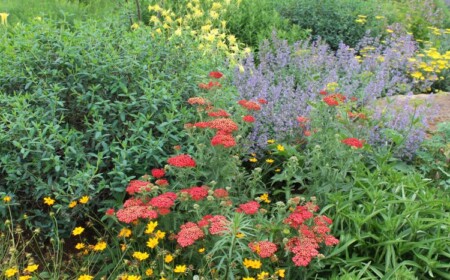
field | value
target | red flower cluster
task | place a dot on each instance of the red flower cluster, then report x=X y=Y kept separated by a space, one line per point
x=163 y=202
x=134 y=209
x=215 y=74
x=158 y=173
x=356 y=115
x=302 y=119
x=248 y=118
x=304 y=250
x=298 y=217
x=218 y=225
x=323 y=92
x=249 y=208
x=226 y=140
x=189 y=233
x=182 y=160
x=262 y=101
x=220 y=193
x=162 y=182
x=353 y=142
x=209 y=85
x=197 y=100
x=219 y=114
x=223 y=124
x=136 y=186
x=334 y=99
x=264 y=249
x=250 y=105
x=197 y=193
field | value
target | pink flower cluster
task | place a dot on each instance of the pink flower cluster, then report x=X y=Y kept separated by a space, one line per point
x=264 y=249
x=312 y=231
x=136 y=186
x=197 y=193
x=135 y=209
x=189 y=233
x=249 y=208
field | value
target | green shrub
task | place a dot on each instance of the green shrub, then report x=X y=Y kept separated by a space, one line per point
x=395 y=226
x=85 y=107
x=29 y=10
x=334 y=21
x=254 y=21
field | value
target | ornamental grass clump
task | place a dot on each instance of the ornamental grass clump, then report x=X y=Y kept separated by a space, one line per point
x=290 y=77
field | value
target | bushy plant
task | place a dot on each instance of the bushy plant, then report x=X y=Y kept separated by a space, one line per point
x=291 y=77
x=86 y=106
x=395 y=226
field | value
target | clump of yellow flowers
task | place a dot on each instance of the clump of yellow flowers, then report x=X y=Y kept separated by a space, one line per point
x=201 y=22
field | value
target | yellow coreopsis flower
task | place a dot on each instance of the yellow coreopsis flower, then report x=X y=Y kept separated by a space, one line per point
x=125 y=232
x=80 y=246
x=151 y=227
x=248 y=278
x=4 y=18
x=7 y=199
x=149 y=272
x=280 y=148
x=263 y=275
x=10 y=272
x=280 y=272
x=265 y=198
x=100 y=246
x=389 y=30
x=201 y=250
x=133 y=277
x=49 y=201
x=253 y=160
x=140 y=255
x=168 y=258
x=270 y=161
x=160 y=234
x=72 y=204
x=85 y=277
x=25 y=277
x=214 y=15
x=77 y=231
x=31 y=268
x=248 y=263
x=152 y=242
x=180 y=269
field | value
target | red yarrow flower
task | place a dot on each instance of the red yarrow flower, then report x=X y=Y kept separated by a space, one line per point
x=158 y=173
x=182 y=160
x=353 y=142
x=162 y=182
x=265 y=249
x=224 y=139
x=249 y=208
x=209 y=85
x=189 y=233
x=197 y=193
x=220 y=193
x=248 y=118
x=219 y=114
x=262 y=101
x=323 y=92
x=302 y=119
x=136 y=186
x=197 y=100
x=215 y=75
x=250 y=105
x=334 y=99
x=224 y=124
x=110 y=212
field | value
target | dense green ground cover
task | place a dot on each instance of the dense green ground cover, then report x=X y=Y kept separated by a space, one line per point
x=168 y=139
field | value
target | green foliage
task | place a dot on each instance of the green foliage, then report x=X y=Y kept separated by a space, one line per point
x=433 y=159
x=85 y=107
x=393 y=225
x=29 y=10
x=334 y=21
x=253 y=21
